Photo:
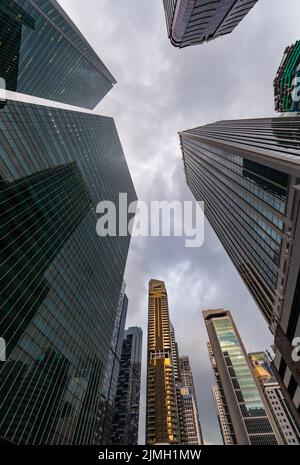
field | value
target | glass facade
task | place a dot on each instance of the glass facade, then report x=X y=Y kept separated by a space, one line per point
x=104 y=430
x=42 y=53
x=195 y=22
x=127 y=405
x=229 y=355
x=60 y=282
x=230 y=165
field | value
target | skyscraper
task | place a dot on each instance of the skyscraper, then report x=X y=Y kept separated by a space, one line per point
x=189 y=401
x=127 y=404
x=221 y=411
x=162 y=422
x=103 y=428
x=179 y=398
x=191 y=22
x=60 y=282
x=247 y=173
x=42 y=53
x=248 y=418
x=272 y=392
x=283 y=82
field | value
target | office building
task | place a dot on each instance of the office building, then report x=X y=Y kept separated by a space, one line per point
x=248 y=417
x=42 y=53
x=189 y=401
x=288 y=71
x=183 y=438
x=103 y=427
x=261 y=364
x=223 y=417
x=60 y=282
x=162 y=422
x=127 y=403
x=192 y=22
x=247 y=173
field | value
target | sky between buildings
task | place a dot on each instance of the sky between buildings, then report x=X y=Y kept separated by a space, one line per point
x=160 y=91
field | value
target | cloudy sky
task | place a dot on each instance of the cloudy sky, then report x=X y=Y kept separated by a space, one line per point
x=160 y=91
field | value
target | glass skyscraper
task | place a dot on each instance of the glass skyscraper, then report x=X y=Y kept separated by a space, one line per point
x=42 y=53
x=248 y=418
x=191 y=22
x=60 y=282
x=103 y=430
x=125 y=427
x=247 y=173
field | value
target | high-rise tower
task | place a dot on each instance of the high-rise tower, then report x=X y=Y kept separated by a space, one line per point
x=261 y=364
x=191 y=22
x=189 y=401
x=127 y=404
x=162 y=422
x=60 y=282
x=247 y=173
x=103 y=432
x=248 y=418
x=43 y=53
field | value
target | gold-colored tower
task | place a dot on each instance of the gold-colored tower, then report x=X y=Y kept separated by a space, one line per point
x=162 y=424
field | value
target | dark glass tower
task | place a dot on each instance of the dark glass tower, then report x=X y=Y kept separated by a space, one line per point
x=127 y=404
x=108 y=394
x=248 y=418
x=191 y=22
x=60 y=282
x=42 y=53
x=247 y=172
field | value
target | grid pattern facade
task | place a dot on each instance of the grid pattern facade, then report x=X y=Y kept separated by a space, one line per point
x=127 y=405
x=247 y=172
x=162 y=422
x=220 y=402
x=60 y=282
x=108 y=393
x=279 y=407
x=222 y=416
x=194 y=433
x=192 y=22
x=231 y=166
x=179 y=399
x=281 y=412
x=42 y=53
x=247 y=411
x=285 y=368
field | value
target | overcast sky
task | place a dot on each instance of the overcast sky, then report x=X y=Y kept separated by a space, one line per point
x=160 y=91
